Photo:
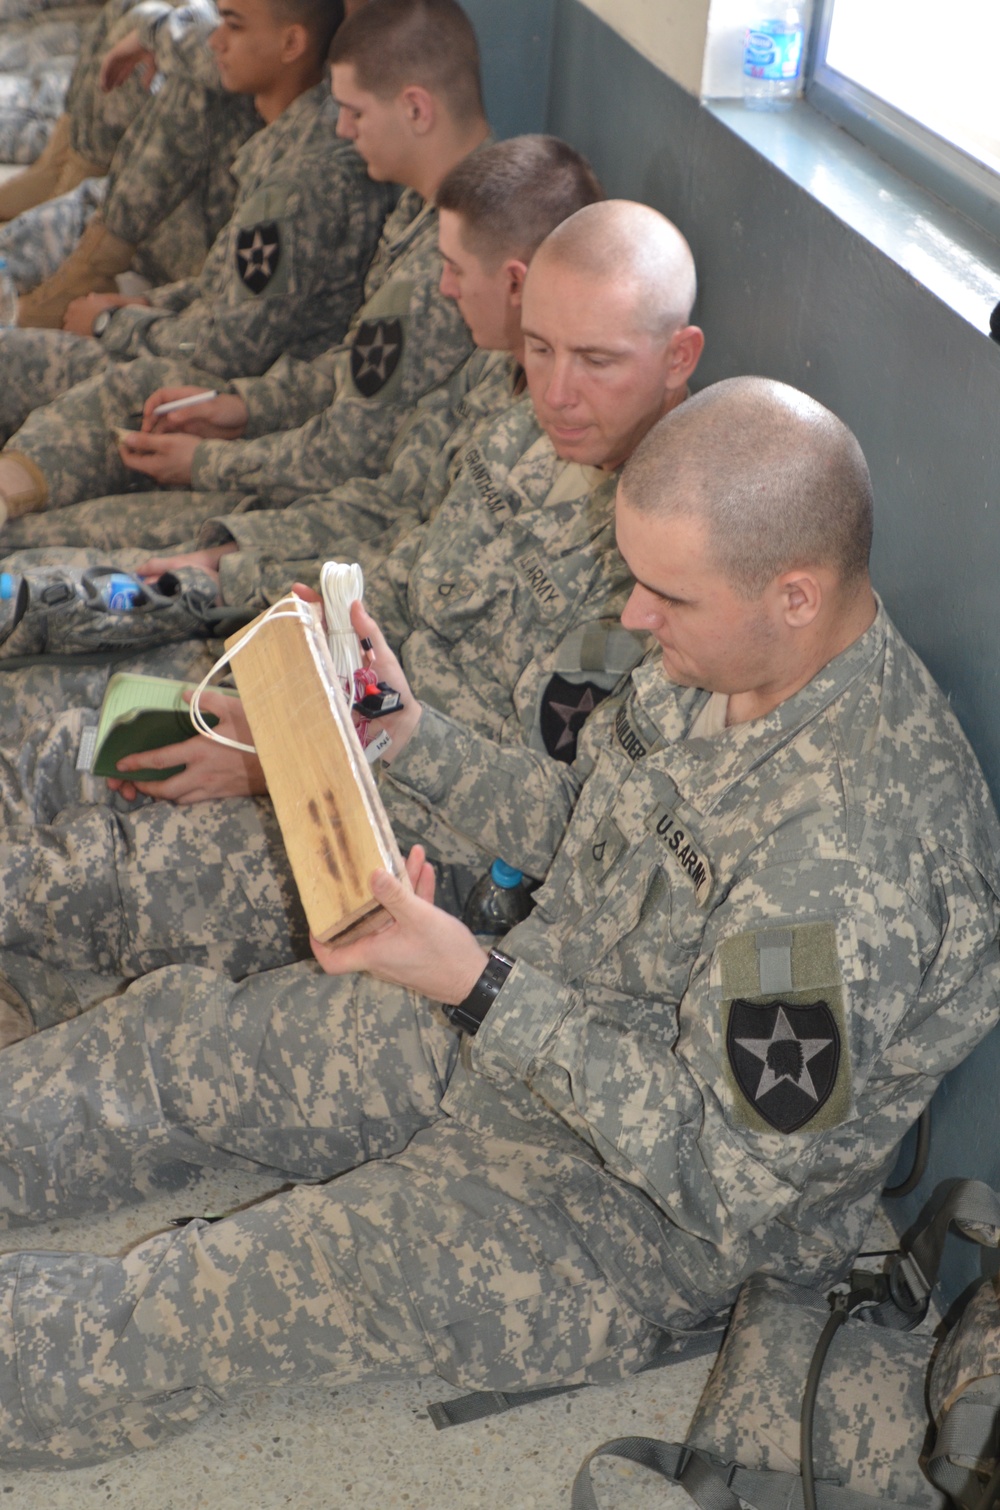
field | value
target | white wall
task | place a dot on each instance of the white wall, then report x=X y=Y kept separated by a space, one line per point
x=670 y=33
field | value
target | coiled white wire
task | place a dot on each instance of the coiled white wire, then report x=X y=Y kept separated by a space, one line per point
x=342 y=583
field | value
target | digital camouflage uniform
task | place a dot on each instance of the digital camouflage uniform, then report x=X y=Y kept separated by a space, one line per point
x=167 y=155
x=516 y=573
x=754 y=957
x=31 y=100
x=287 y=273
x=405 y=340
x=38 y=54
x=366 y=517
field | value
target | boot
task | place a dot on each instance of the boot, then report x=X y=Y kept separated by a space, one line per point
x=89 y=269
x=37 y=183
x=23 y=489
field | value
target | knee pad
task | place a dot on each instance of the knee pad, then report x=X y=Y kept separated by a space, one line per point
x=64 y=610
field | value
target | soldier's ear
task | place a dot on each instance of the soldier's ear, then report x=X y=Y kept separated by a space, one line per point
x=295 y=43
x=686 y=346
x=515 y=271
x=419 y=109
x=801 y=595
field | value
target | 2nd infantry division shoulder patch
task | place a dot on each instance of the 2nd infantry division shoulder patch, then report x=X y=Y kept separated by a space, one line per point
x=375 y=354
x=784 y=1026
x=564 y=711
x=784 y=1059
x=258 y=252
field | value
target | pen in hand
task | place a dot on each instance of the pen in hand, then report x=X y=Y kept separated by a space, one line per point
x=186 y=403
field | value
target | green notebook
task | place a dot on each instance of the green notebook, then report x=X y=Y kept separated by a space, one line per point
x=143 y=713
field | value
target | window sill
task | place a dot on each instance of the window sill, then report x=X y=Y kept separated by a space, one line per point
x=941 y=250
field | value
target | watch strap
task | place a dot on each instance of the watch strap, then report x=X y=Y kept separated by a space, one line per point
x=469 y=1014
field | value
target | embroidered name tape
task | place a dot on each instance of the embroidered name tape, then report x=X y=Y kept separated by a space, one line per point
x=684 y=852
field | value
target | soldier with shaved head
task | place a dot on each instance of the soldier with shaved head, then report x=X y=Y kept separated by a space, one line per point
x=763 y=937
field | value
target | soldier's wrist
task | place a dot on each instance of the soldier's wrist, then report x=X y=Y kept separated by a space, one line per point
x=470 y=1013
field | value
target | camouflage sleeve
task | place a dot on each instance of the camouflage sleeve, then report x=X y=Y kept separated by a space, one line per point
x=407 y=340
x=256 y=574
x=284 y=397
x=823 y=1004
x=361 y=520
x=505 y=800
x=175 y=296
x=306 y=301
x=179 y=42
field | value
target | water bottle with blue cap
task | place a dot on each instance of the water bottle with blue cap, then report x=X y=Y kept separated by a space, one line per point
x=499 y=900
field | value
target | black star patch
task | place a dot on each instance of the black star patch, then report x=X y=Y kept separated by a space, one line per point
x=258 y=250
x=564 y=711
x=785 y=1059
x=378 y=346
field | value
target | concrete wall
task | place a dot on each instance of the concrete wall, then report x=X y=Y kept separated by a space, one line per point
x=788 y=290
x=515 y=37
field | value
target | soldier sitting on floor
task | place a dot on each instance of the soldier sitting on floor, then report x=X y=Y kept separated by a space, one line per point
x=763 y=938
x=315 y=422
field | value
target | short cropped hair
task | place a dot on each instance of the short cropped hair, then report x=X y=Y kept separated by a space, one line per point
x=778 y=481
x=511 y=194
x=392 y=44
x=321 y=19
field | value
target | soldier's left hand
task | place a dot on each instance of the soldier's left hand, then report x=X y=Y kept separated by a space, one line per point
x=420 y=946
x=210 y=769
x=167 y=459
x=81 y=313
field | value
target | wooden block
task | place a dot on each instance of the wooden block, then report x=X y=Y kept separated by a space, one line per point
x=332 y=820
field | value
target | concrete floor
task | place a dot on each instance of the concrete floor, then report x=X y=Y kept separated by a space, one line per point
x=361 y=1448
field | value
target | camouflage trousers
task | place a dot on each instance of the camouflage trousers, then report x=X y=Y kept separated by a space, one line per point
x=67 y=396
x=30 y=101
x=495 y=1261
x=93 y=884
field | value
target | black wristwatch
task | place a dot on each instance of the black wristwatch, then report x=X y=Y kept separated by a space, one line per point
x=469 y=1014
x=101 y=322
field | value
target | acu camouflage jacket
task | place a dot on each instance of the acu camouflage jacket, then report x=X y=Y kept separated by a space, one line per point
x=753 y=957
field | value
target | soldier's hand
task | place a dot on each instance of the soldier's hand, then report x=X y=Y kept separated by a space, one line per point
x=81 y=313
x=419 y=946
x=123 y=59
x=206 y=561
x=221 y=418
x=400 y=726
x=167 y=459
x=211 y=770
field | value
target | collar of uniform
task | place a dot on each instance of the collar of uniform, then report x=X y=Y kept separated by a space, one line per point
x=255 y=155
x=705 y=769
x=580 y=517
x=481 y=378
x=410 y=217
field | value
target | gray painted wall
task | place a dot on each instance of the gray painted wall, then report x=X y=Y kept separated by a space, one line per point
x=515 y=37
x=788 y=291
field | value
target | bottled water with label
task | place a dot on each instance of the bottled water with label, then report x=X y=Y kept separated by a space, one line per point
x=8 y=296
x=120 y=592
x=773 y=51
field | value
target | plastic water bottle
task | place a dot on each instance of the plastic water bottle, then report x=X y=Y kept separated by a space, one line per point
x=8 y=296
x=500 y=899
x=120 y=592
x=773 y=51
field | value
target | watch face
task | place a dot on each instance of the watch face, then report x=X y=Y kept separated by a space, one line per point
x=101 y=322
